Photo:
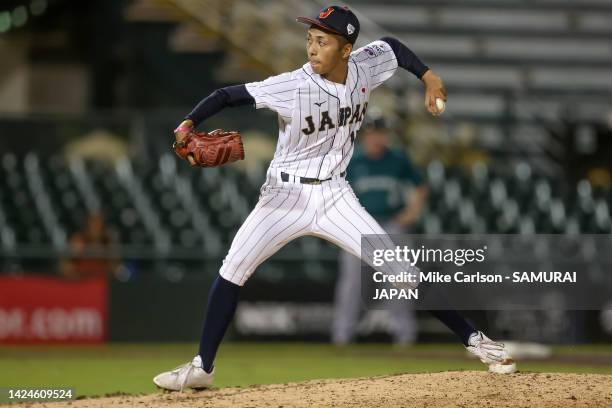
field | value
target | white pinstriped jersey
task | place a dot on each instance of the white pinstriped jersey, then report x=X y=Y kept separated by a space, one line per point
x=319 y=119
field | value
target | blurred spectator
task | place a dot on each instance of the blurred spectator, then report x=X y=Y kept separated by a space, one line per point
x=92 y=251
x=379 y=176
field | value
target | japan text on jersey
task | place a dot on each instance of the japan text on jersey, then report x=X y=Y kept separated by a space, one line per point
x=319 y=119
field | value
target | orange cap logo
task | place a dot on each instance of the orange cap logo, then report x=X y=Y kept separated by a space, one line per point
x=326 y=13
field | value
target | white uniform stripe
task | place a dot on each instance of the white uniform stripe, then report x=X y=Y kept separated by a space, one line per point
x=318 y=83
x=269 y=245
x=386 y=63
x=235 y=269
x=253 y=231
x=263 y=240
x=297 y=139
x=368 y=225
x=315 y=134
x=276 y=83
x=365 y=225
x=327 y=219
x=343 y=162
x=333 y=137
x=245 y=231
x=297 y=218
x=332 y=228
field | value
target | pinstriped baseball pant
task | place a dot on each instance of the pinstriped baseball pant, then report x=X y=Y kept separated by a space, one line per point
x=288 y=210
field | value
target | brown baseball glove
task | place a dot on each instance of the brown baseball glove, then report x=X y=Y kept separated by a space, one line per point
x=211 y=149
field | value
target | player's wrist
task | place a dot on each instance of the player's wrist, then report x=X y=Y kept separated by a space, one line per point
x=425 y=73
x=184 y=126
x=428 y=76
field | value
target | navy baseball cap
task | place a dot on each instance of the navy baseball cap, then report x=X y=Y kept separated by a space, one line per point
x=337 y=19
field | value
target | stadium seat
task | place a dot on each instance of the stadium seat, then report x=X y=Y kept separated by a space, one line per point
x=205 y=212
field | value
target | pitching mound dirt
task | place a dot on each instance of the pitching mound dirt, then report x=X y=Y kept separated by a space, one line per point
x=447 y=389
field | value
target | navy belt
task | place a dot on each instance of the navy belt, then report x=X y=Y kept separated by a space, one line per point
x=307 y=180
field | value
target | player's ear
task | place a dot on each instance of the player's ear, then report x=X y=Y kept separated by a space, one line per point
x=346 y=50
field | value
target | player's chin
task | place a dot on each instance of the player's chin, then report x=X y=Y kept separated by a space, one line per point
x=316 y=67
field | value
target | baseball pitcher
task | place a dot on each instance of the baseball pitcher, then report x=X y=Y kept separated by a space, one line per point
x=320 y=108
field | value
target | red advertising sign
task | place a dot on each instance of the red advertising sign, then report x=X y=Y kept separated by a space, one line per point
x=50 y=310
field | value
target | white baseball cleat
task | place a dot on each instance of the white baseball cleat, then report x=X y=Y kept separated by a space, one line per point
x=190 y=375
x=492 y=353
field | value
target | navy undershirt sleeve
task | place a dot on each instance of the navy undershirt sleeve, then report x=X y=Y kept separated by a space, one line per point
x=236 y=95
x=405 y=57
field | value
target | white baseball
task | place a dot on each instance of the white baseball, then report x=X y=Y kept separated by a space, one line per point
x=440 y=104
